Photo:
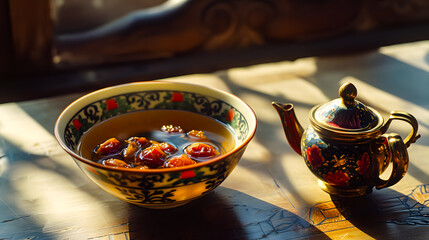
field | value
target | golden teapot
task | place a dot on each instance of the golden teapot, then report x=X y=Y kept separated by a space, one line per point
x=346 y=145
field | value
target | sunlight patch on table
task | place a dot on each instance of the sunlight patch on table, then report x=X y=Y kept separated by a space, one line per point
x=292 y=89
x=208 y=80
x=414 y=54
x=257 y=152
x=300 y=183
x=262 y=107
x=55 y=202
x=254 y=181
x=273 y=72
x=31 y=137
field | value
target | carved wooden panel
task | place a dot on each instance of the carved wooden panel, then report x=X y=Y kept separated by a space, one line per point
x=193 y=36
x=394 y=12
x=207 y=25
x=186 y=26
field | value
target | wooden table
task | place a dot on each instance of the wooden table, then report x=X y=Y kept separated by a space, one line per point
x=270 y=195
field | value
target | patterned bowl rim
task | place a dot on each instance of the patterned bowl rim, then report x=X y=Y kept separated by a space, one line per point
x=89 y=98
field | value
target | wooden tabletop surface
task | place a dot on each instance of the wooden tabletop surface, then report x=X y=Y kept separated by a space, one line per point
x=271 y=194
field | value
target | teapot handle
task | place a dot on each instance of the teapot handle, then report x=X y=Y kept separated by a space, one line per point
x=404 y=116
x=389 y=148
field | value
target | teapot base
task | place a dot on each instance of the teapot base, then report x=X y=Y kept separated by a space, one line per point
x=345 y=191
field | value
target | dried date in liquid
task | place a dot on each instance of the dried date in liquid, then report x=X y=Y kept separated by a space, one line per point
x=148 y=124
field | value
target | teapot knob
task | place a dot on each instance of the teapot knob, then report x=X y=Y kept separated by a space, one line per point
x=348 y=93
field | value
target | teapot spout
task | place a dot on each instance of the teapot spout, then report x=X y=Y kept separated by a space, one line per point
x=291 y=126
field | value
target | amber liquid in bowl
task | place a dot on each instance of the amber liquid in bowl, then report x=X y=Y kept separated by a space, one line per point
x=148 y=124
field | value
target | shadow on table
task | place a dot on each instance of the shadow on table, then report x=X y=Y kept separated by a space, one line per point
x=373 y=68
x=388 y=214
x=222 y=214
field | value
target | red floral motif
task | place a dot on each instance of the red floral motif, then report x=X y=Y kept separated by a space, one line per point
x=177 y=97
x=92 y=170
x=230 y=115
x=77 y=124
x=111 y=104
x=337 y=178
x=364 y=164
x=314 y=156
x=187 y=174
x=333 y=124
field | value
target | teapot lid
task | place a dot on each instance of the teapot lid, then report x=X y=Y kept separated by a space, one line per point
x=346 y=113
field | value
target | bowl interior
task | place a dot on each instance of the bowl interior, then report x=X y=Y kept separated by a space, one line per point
x=101 y=105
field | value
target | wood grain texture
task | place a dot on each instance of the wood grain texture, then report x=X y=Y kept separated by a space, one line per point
x=271 y=194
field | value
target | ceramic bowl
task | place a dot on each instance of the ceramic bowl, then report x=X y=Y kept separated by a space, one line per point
x=165 y=187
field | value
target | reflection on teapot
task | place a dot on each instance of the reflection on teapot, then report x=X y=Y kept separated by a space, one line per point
x=346 y=145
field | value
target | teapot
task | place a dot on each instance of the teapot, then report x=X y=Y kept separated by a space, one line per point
x=346 y=145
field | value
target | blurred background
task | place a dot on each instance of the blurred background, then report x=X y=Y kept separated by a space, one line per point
x=52 y=47
x=74 y=16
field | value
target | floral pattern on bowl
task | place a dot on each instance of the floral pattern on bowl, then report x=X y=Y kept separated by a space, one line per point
x=165 y=187
x=164 y=190
x=130 y=102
